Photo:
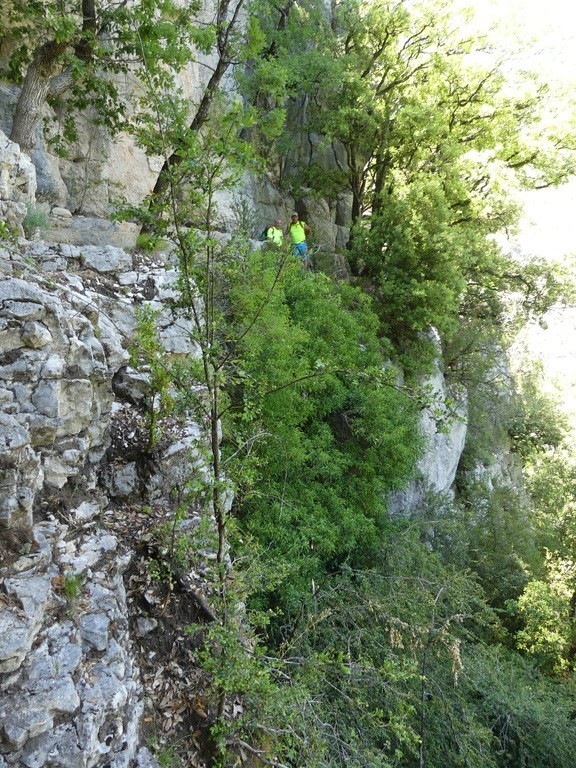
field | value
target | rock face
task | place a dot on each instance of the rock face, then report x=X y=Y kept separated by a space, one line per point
x=89 y=230
x=70 y=690
x=97 y=168
x=17 y=183
x=54 y=377
x=443 y=426
x=64 y=335
x=70 y=694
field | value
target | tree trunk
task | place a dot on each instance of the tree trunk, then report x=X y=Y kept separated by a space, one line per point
x=35 y=90
x=226 y=29
x=201 y=116
x=571 y=656
x=45 y=77
x=356 y=186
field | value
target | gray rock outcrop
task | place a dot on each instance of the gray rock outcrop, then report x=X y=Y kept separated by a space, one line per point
x=17 y=183
x=443 y=426
x=66 y=323
x=67 y=318
x=70 y=690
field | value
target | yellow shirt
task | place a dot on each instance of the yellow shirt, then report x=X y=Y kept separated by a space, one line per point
x=275 y=234
x=297 y=232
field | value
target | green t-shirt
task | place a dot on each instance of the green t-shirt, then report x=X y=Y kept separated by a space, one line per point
x=297 y=232
x=275 y=234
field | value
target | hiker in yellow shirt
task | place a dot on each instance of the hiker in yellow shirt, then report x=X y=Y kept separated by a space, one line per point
x=274 y=233
x=298 y=231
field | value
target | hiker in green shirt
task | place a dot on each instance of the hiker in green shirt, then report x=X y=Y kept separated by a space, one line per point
x=298 y=231
x=274 y=233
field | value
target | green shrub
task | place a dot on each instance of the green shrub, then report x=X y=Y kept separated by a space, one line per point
x=36 y=220
x=150 y=243
x=336 y=434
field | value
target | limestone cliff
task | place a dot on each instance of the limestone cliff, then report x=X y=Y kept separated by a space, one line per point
x=72 y=691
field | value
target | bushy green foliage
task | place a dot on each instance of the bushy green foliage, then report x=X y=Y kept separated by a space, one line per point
x=335 y=433
x=7 y=236
x=419 y=123
x=546 y=607
x=494 y=530
x=87 y=44
x=530 y=716
x=395 y=675
x=536 y=422
x=409 y=677
x=415 y=258
x=550 y=480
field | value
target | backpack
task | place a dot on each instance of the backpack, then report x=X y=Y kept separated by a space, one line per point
x=264 y=234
